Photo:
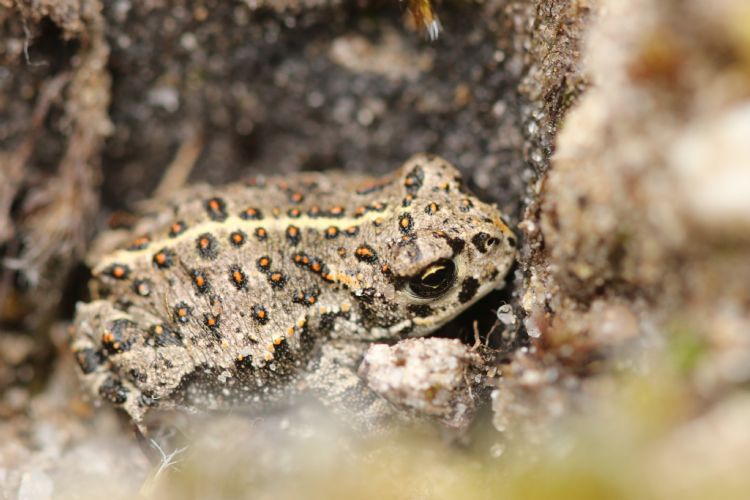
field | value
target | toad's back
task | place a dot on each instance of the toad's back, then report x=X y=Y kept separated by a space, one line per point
x=224 y=292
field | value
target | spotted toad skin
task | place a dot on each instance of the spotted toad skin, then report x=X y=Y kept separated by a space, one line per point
x=229 y=295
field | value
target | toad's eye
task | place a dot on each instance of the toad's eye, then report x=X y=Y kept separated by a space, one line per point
x=434 y=281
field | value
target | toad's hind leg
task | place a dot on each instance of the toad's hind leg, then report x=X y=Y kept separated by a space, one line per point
x=333 y=379
x=104 y=341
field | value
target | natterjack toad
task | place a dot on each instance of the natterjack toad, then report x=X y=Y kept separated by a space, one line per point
x=229 y=295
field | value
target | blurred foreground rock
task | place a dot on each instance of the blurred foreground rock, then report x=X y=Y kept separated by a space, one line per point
x=615 y=132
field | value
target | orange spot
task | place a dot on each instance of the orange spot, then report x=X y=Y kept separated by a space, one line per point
x=359 y=211
x=237 y=276
x=297 y=197
x=264 y=262
x=213 y=204
x=160 y=258
x=200 y=281
x=237 y=238
x=118 y=272
x=276 y=277
x=316 y=267
x=261 y=313
x=181 y=312
x=337 y=210
x=277 y=340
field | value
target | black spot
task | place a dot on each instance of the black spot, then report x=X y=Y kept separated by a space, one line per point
x=469 y=289
x=301 y=259
x=142 y=287
x=118 y=271
x=482 y=241
x=405 y=223
x=88 y=359
x=352 y=231
x=327 y=321
x=420 y=310
x=307 y=297
x=465 y=205
x=512 y=241
x=139 y=244
x=216 y=209
x=314 y=212
x=212 y=321
x=177 y=229
x=237 y=238
x=293 y=235
x=147 y=399
x=414 y=180
x=407 y=200
x=260 y=314
x=264 y=263
x=456 y=244
x=366 y=295
x=162 y=336
x=164 y=258
x=431 y=208
x=378 y=206
x=182 y=312
x=336 y=212
x=237 y=277
x=207 y=246
x=244 y=362
x=113 y=391
x=115 y=340
x=493 y=275
x=277 y=279
x=251 y=213
x=366 y=253
x=200 y=281
x=296 y=197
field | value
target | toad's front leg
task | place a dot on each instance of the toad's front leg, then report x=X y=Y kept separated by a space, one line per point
x=332 y=377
